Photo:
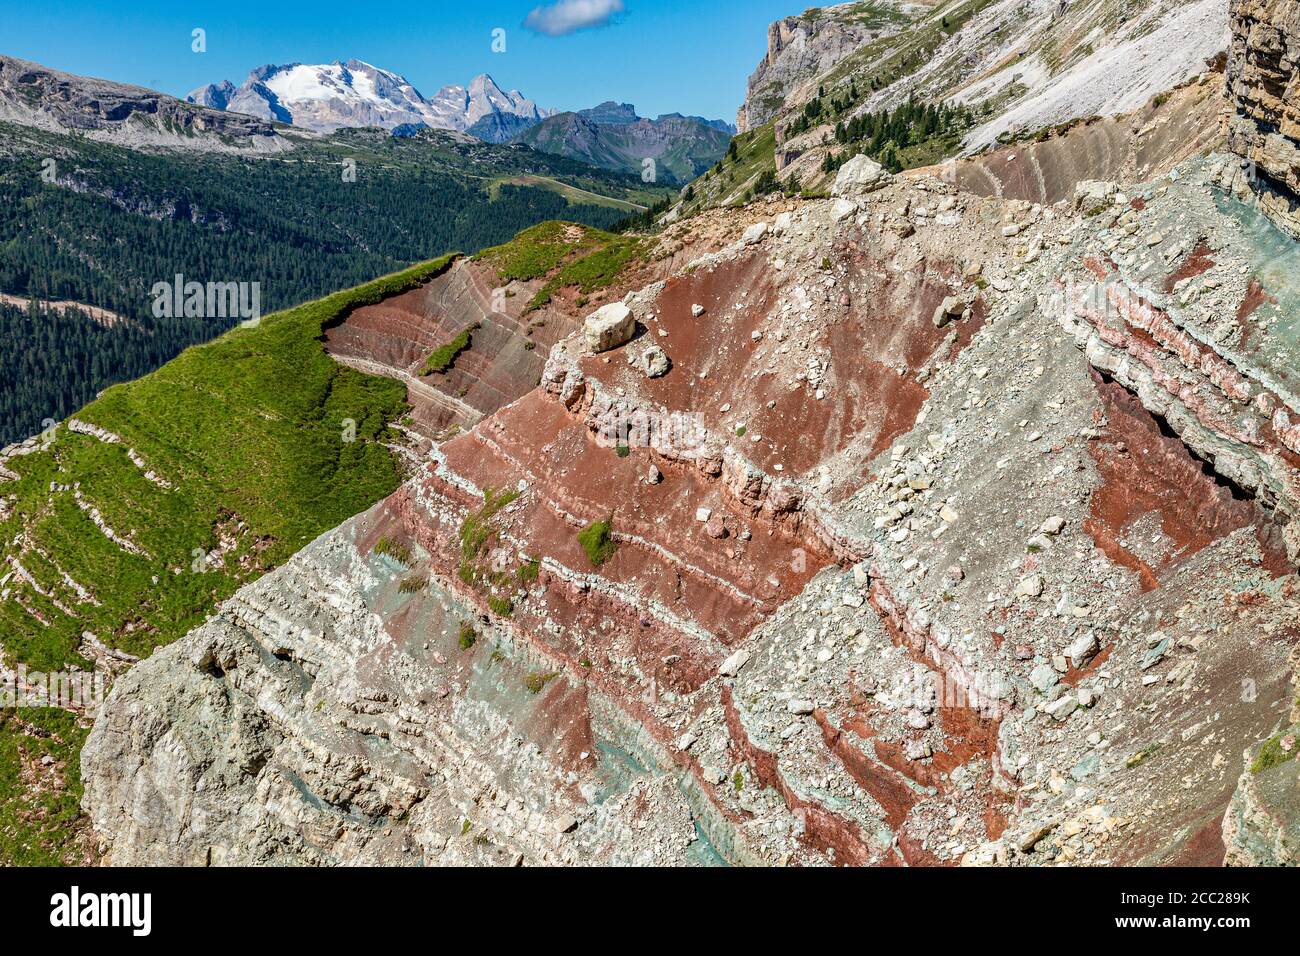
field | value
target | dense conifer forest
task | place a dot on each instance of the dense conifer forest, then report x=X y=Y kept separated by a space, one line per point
x=100 y=225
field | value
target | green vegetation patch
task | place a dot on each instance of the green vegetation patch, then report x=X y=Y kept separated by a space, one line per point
x=476 y=529
x=1277 y=751
x=597 y=541
x=258 y=442
x=1143 y=755
x=475 y=532
x=40 y=801
x=536 y=681
x=748 y=169
x=445 y=355
x=567 y=255
x=529 y=571
x=389 y=548
x=911 y=135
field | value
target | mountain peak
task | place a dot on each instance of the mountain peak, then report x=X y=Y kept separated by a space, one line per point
x=610 y=113
x=354 y=93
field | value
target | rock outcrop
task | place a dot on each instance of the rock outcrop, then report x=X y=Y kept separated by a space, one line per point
x=1263 y=85
x=845 y=586
x=1262 y=825
x=1023 y=68
x=35 y=95
x=799 y=49
x=609 y=327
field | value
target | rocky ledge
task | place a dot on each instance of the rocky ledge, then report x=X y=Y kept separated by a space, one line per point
x=1263 y=85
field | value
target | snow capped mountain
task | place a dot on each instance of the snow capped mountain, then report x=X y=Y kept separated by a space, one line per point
x=354 y=93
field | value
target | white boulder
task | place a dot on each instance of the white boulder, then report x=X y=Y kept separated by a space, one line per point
x=859 y=176
x=609 y=327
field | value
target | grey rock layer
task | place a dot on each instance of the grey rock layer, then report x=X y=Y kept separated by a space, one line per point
x=1263 y=86
x=34 y=95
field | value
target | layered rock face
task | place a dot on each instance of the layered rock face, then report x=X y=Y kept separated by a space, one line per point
x=130 y=115
x=957 y=529
x=1021 y=67
x=799 y=49
x=1263 y=85
x=1170 y=130
x=504 y=358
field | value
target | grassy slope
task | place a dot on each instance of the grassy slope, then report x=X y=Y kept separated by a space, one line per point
x=572 y=256
x=40 y=813
x=889 y=60
x=248 y=428
x=251 y=425
x=755 y=153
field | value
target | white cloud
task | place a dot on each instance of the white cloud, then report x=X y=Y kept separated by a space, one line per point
x=566 y=16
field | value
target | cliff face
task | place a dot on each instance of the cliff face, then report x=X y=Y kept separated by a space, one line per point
x=1263 y=86
x=937 y=491
x=799 y=49
x=1019 y=66
x=35 y=95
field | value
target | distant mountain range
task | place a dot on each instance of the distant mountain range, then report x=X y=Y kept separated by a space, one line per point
x=612 y=136
x=353 y=93
x=110 y=188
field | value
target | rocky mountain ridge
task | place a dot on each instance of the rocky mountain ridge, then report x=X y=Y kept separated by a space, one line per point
x=34 y=95
x=612 y=136
x=820 y=634
x=946 y=517
x=1018 y=66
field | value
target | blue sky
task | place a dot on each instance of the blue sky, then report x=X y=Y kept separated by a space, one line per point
x=661 y=55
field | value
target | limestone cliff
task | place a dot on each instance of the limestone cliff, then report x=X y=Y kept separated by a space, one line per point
x=1263 y=86
x=799 y=49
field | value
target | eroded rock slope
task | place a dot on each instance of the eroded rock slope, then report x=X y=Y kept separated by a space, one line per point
x=909 y=526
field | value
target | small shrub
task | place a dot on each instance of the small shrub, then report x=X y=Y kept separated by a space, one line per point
x=443 y=356
x=393 y=549
x=529 y=571
x=501 y=607
x=413 y=584
x=1272 y=755
x=476 y=528
x=623 y=451
x=467 y=635
x=536 y=681
x=597 y=541
x=1142 y=756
